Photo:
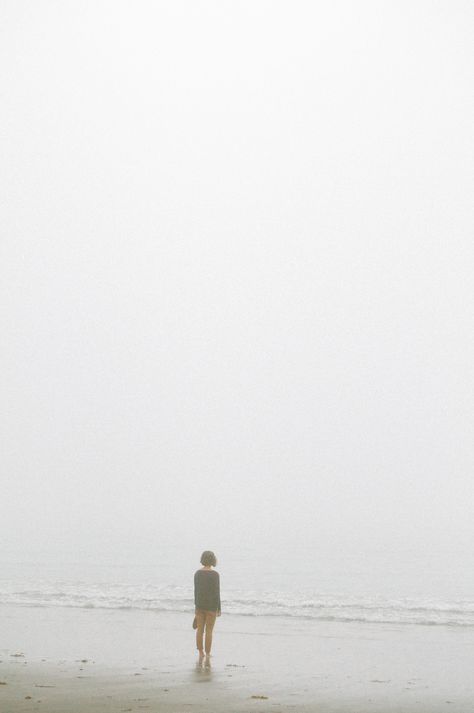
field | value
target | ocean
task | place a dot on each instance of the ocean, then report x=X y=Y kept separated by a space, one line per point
x=375 y=585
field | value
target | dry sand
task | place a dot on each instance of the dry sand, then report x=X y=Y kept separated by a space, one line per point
x=89 y=660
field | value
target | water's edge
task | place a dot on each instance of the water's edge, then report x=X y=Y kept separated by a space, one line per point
x=310 y=606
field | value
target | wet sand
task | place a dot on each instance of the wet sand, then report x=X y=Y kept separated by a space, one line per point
x=61 y=660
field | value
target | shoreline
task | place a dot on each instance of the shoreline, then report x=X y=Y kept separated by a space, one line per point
x=92 y=660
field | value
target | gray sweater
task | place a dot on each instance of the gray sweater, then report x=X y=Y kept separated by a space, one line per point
x=207 y=593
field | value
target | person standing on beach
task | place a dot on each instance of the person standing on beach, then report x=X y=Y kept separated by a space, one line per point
x=207 y=600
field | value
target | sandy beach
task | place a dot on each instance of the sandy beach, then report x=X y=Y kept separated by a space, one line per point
x=60 y=660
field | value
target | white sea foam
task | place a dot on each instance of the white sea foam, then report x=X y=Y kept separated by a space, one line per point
x=310 y=605
x=375 y=585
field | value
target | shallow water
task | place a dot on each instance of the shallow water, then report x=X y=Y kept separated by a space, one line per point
x=375 y=585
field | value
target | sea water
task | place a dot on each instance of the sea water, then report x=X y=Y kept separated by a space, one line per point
x=374 y=584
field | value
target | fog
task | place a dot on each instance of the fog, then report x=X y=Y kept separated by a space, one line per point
x=236 y=274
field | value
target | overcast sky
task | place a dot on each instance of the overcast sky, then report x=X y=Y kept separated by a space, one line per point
x=236 y=267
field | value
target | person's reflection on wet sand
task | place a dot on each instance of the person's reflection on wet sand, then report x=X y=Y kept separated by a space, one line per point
x=203 y=667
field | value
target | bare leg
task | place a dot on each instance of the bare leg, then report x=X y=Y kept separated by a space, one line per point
x=210 y=621
x=201 y=618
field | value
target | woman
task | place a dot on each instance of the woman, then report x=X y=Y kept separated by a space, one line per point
x=207 y=599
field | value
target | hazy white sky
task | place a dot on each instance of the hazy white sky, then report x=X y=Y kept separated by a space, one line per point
x=236 y=267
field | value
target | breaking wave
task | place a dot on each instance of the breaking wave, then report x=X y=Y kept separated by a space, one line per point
x=310 y=605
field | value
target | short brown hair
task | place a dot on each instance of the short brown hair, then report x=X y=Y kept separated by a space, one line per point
x=208 y=559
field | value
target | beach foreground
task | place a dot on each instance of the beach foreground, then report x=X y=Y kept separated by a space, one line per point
x=66 y=660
